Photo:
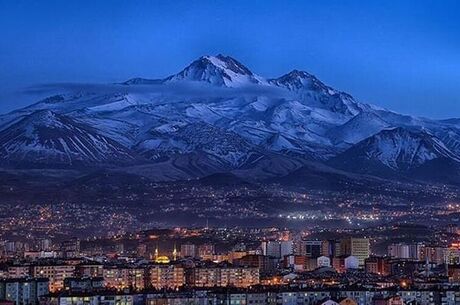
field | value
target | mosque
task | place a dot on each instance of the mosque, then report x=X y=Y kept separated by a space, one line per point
x=163 y=259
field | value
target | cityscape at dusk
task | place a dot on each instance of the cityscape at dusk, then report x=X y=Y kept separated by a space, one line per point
x=229 y=152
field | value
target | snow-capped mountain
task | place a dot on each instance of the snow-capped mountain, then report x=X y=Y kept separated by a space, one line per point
x=228 y=120
x=397 y=149
x=310 y=89
x=219 y=70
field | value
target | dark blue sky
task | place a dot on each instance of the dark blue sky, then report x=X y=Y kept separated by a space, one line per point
x=403 y=55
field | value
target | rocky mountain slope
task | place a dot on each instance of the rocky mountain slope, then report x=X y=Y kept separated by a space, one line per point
x=216 y=116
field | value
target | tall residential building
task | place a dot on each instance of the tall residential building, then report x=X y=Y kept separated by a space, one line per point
x=313 y=248
x=224 y=277
x=398 y=250
x=406 y=251
x=377 y=265
x=18 y=271
x=271 y=248
x=124 y=277
x=286 y=248
x=166 y=276
x=330 y=248
x=89 y=269
x=206 y=251
x=23 y=291
x=357 y=247
x=309 y=248
x=84 y=284
x=71 y=248
x=453 y=254
x=262 y=262
x=437 y=255
x=188 y=250
x=415 y=251
x=45 y=244
x=55 y=273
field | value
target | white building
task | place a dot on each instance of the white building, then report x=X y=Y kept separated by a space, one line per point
x=351 y=262
x=323 y=261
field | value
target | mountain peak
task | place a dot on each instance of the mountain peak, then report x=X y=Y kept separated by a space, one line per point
x=315 y=93
x=297 y=80
x=227 y=62
x=219 y=70
x=300 y=74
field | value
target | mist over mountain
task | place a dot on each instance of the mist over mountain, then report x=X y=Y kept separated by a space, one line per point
x=216 y=116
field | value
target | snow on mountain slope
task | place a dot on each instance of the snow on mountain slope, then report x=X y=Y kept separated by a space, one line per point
x=301 y=124
x=217 y=70
x=224 y=145
x=278 y=142
x=360 y=127
x=230 y=119
x=142 y=81
x=312 y=91
x=47 y=138
x=450 y=136
x=89 y=102
x=123 y=132
x=397 y=149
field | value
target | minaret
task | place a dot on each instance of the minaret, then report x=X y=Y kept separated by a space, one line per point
x=427 y=267
x=174 y=252
x=446 y=262
x=156 y=252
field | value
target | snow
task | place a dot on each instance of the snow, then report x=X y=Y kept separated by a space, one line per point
x=45 y=137
x=261 y=104
x=218 y=70
x=358 y=128
x=117 y=105
x=313 y=119
x=166 y=128
x=401 y=148
x=280 y=143
x=203 y=112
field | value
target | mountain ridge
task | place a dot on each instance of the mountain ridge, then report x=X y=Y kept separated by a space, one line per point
x=234 y=122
